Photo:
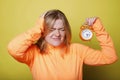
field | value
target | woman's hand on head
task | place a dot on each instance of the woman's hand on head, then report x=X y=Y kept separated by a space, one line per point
x=40 y=22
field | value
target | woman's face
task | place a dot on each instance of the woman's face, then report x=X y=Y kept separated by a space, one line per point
x=57 y=34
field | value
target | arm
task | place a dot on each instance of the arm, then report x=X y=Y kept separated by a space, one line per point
x=20 y=46
x=107 y=54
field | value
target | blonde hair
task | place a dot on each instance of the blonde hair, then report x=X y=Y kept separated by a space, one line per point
x=49 y=19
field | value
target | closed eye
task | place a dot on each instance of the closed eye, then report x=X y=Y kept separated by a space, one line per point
x=52 y=29
x=62 y=29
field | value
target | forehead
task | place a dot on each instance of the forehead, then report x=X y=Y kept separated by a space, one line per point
x=58 y=24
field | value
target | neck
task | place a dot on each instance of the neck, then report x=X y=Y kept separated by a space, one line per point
x=61 y=50
x=55 y=47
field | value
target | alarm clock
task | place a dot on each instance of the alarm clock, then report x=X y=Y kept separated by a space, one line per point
x=86 y=33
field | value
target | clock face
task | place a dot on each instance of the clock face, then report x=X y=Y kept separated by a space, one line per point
x=86 y=34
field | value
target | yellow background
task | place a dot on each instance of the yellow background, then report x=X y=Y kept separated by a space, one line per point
x=16 y=16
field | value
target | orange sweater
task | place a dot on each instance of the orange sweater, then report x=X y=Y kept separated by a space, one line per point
x=53 y=66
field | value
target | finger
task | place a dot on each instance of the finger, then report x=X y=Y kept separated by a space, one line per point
x=42 y=16
x=92 y=20
x=87 y=21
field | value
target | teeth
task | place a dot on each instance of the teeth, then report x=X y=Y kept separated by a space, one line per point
x=56 y=38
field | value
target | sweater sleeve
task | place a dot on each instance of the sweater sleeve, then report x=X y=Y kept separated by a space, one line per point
x=107 y=54
x=21 y=46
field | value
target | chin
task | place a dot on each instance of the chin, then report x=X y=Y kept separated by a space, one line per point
x=56 y=45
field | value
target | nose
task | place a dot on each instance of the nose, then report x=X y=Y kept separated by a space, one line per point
x=57 y=33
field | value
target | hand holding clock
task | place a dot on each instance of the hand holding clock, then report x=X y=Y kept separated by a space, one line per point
x=86 y=29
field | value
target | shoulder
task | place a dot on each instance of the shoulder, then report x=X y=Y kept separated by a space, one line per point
x=78 y=47
x=75 y=45
x=33 y=48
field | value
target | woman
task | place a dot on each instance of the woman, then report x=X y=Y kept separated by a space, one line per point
x=49 y=53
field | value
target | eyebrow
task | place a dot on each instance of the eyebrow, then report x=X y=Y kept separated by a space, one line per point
x=58 y=28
